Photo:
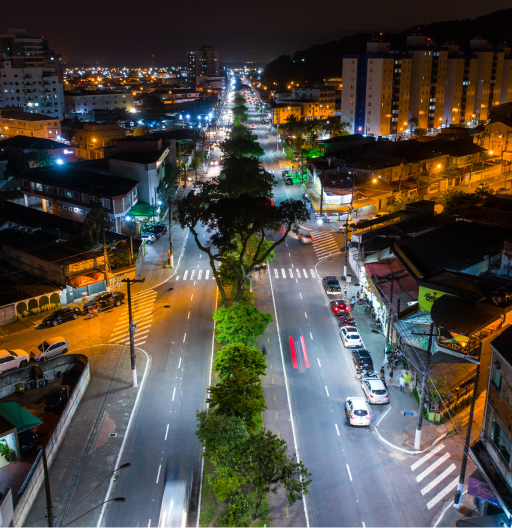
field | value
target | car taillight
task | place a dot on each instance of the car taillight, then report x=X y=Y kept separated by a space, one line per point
x=371 y=395
x=387 y=395
x=336 y=309
x=352 y=417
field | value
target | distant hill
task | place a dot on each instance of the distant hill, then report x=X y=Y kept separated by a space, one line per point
x=324 y=61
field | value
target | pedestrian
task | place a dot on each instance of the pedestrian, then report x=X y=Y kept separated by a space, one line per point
x=345 y=290
x=382 y=373
x=402 y=383
x=407 y=380
x=352 y=303
x=358 y=295
x=390 y=376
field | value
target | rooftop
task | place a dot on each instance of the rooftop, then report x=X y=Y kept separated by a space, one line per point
x=83 y=180
x=32 y=143
x=6 y=113
x=453 y=247
x=503 y=344
x=139 y=157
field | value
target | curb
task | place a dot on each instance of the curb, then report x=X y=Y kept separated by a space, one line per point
x=402 y=449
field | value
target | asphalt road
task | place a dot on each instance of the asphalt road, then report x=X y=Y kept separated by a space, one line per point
x=162 y=446
x=357 y=481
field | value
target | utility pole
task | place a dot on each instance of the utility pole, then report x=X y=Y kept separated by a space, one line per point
x=417 y=438
x=49 y=505
x=105 y=258
x=179 y=159
x=129 y=283
x=131 y=250
x=457 y=502
x=171 y=256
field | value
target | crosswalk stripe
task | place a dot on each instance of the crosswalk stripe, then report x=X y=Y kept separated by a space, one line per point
x=443 y=492
x=185 y=275
x=276 y=273
x=433 y=466
x=291 y=272
x=284 y=273
x=207 y=274
x=192 y=273
x=199 y=274
x=327 y=247
x=428 y=456
x=438 y=479
x=138 y=343
x=312 y=273
x=297 y=271
x=305 y=273
x=326 y=242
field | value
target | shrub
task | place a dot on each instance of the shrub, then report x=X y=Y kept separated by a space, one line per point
x=22 y=307
x=35 y=311
x=33 y=304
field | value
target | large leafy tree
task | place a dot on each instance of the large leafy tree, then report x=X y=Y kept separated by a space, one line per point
x=335 y=127
x=241 y=131
x=268 y=468
x=239 y=147
x=239 y=395
x=95 y=221
x=241 y=175
x=456 y=202
x=238 y=356
x=42 y=158
x=240 y=323
x=232 y=223
x=169 y=182
x=239 y=114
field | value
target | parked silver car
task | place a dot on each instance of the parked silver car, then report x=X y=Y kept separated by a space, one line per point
x=50 y=348
x=375 y=390
x=357 y=411
x=11 y=359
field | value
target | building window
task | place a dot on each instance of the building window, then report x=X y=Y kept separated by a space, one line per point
x=105 y=202
x=501 y=441
x=57 y=191
x=68 y=194
x=496 y=379
x=39 y=186
x=24 y=183
x=48 y=189
x=85 y=198
x=76 y=196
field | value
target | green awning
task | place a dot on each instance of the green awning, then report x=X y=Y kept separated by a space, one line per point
x=142 y=209
x=18 y=416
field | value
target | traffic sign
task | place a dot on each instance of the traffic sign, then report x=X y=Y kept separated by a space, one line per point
x=406 y=413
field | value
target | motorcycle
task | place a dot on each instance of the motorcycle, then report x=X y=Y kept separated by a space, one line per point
x=363 y=373
x=346 y=321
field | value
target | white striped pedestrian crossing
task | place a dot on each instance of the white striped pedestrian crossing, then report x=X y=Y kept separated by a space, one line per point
x=298 y=274
x=431 y=486
x=324 y=243
x=195 y=277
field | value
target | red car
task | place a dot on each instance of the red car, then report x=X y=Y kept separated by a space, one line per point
x=338 y=308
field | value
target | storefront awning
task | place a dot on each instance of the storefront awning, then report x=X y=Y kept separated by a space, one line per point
x=14 y=413
x=454 y=314
x=142 y=209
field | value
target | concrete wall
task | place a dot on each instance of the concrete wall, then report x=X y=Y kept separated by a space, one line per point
x=64 y=363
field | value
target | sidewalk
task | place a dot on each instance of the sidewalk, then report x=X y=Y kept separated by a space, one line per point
x=94 y=439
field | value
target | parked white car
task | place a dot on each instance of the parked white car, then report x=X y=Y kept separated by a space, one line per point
x=50 y=348
x=357 y=411
x=148 y=238
x=349 y=337
x=375 y=391
x=11 y=359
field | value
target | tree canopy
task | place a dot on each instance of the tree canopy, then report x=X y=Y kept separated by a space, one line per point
x=240 y=323
x=238 y=356
x=239 y=147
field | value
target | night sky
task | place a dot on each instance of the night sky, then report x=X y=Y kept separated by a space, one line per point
x=128 y=32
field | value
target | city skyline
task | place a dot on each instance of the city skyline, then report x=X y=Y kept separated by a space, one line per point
x=238 y=37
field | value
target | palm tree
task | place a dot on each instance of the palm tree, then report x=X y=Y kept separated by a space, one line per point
x=95 y=221
x=335 y=127
x=41 y=158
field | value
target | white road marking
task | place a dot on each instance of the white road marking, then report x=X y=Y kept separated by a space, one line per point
x=276 y=273
x=312 y=271
x=349 y=474
x=199 y=274
x=443 y=492
x=284 y=273
x=433 y=466
x=300 y=295
x=192 y=274
x=158 y=476
x=319 y=364
x=207 y=274
x=188 y=316
x=326 y=391
x=173 y=393
x=438 y=479
x=311 y=335
x=166 y=431
x=179 y=364
x=192 y=296
x=337 y=430
x=297 y=271
x=149 y=523
x=305 y=315
x=290 y=270
x=427 y=457
x=185 y=275
x=185 y=337
x=305 y=273
x=177 y=277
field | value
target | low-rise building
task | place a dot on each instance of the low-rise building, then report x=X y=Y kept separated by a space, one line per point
x=83 y=102
x=71 y=192
x=27 y=146
x=19 y=123
x=91 y=140
x=492 y=452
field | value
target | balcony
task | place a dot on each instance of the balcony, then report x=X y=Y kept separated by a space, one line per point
x=484 y=462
